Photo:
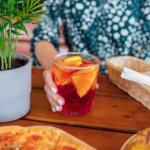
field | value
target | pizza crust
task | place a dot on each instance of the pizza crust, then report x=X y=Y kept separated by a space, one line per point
x=67 y=139
x=39 y=138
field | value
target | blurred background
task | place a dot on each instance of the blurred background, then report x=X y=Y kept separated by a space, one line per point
x=23 y=46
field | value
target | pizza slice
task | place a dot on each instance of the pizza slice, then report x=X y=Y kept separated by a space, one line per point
x=69 y=142
x=28 y=138
x=39 y=138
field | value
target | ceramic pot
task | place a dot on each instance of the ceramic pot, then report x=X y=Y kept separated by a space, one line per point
x=15 y=89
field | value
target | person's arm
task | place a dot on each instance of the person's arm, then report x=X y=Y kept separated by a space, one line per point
x=44 y=46
x=45 y=42
x=44 y=52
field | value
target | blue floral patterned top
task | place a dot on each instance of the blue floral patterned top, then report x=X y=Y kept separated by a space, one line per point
x=105 y=28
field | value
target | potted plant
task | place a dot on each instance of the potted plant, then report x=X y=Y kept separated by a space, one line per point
x=15 y=69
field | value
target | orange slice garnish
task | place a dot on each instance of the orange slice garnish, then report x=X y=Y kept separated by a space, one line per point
x=61 y=77
x=84 y=79
x=73 y=59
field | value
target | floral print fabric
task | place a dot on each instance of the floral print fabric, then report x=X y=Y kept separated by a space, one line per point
x=105 y=28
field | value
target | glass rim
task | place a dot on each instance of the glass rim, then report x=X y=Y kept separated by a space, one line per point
x=76 y=68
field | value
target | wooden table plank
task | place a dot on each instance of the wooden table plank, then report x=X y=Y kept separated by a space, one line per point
x=106 y=87
x=37 y=78
x=109 y=113
x=102 y=140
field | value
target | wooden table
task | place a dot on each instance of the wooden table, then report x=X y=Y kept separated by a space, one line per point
x=114 y=118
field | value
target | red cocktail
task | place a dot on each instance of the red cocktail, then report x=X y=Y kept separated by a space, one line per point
x=75 y=75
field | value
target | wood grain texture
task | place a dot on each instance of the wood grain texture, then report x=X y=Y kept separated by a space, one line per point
x=107 y=88
x=100 y=139
x=110 y=113
x=37 y=77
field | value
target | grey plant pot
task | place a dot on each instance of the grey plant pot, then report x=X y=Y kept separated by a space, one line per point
x=15 y=89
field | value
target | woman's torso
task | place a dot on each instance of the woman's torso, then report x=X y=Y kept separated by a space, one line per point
x=107 y=28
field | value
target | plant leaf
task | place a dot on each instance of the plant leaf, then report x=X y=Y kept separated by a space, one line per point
x=38 y=6
x=21 y=27
x=15 y=32
x=39 y=11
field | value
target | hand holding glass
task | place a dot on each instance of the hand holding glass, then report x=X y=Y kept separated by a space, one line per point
x=75 y=75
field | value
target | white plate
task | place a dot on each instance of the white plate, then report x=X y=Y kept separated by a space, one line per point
x=124 y=145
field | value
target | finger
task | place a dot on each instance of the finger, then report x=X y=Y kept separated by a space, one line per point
x=49 y=73
x=58 y=100
x=55 y=100
x=51 y=101
x=56 y=97
x=48 y=78
x=51 y=98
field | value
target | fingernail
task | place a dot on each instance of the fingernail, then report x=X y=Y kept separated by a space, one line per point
x=53 y=90
x=58 y=108
x=53 y=109
x=97 y=86
x=60 y=102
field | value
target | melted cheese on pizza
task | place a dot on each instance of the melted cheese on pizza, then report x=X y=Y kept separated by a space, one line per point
x=32 y=138
x=38 y=138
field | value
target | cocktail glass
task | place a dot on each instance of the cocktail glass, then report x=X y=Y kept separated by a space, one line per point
x=75 y=75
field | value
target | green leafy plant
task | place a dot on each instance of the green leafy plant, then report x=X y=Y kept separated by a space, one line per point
x=13 y=15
